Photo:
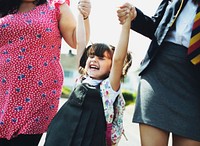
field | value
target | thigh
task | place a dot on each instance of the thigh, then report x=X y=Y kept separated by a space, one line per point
x=26 y=140
x=151 y=136
x=182 y=141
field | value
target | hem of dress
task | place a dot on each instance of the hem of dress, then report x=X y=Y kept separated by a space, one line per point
x=179 y=133
x=11 y=137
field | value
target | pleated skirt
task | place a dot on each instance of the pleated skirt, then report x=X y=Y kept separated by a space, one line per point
x=169 y=93
x=80 y=121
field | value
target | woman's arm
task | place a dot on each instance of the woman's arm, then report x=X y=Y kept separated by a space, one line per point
x=142 y=23
x=146 y=25
x=67 y=23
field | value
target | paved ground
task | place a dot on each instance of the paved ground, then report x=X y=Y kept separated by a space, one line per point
x=131 y=129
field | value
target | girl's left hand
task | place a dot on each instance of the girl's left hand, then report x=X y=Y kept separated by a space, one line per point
x=84 y=7
x=125 y=11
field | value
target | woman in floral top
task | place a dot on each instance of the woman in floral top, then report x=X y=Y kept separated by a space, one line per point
x=30 y=71
x=93 y=114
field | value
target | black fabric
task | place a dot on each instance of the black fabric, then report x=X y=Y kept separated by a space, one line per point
x=22 y=140
x=156 y=27
x=80 y=121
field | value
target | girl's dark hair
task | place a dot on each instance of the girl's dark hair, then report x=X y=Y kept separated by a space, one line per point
x=127 y=65
x=98 y=49
x=12 y=6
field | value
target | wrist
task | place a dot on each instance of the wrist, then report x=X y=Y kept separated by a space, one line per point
x=84 y=18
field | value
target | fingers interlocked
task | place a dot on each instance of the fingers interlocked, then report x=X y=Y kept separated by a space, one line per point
x=124 y=11
x=84 y=6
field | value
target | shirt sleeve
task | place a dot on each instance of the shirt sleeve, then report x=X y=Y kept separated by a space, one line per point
x=108 y=97
x=59 y=2
x=55 y=6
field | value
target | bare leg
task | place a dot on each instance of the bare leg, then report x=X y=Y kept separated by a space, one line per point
x=151 y=136
x=182 y=141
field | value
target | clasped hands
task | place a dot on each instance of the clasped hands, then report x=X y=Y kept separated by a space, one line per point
x=84 y=6
x=124 y=11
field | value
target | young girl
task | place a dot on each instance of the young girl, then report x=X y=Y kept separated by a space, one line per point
x=93 y=114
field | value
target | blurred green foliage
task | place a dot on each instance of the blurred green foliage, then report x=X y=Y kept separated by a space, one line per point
x=65 y=92
x=129 y=97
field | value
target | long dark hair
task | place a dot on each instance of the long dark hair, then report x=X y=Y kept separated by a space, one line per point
x=98 y=49
x=12 y=6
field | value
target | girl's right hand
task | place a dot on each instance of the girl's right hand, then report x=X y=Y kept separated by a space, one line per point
x=84 y=6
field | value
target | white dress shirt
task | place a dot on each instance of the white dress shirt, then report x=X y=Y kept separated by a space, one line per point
x=182 y=32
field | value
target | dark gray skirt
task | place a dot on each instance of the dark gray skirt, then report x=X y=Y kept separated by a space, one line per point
x=169 y=93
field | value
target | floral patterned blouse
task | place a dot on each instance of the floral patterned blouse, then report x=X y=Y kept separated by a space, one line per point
x=31 y=75
x=113 y=103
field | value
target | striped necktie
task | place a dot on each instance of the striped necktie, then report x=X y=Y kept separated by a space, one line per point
x=194 y=47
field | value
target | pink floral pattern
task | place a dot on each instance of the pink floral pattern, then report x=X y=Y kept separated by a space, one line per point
x=31 y=76
x=114 y=106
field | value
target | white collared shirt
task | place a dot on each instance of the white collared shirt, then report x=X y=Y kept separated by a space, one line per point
x=181 y=35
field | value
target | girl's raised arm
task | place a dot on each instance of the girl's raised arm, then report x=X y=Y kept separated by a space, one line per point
x=121 y=51
x=83 y=17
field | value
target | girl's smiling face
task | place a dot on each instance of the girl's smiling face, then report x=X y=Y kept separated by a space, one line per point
x=98 y=67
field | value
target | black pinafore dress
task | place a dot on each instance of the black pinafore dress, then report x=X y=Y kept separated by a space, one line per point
x=80 y=121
